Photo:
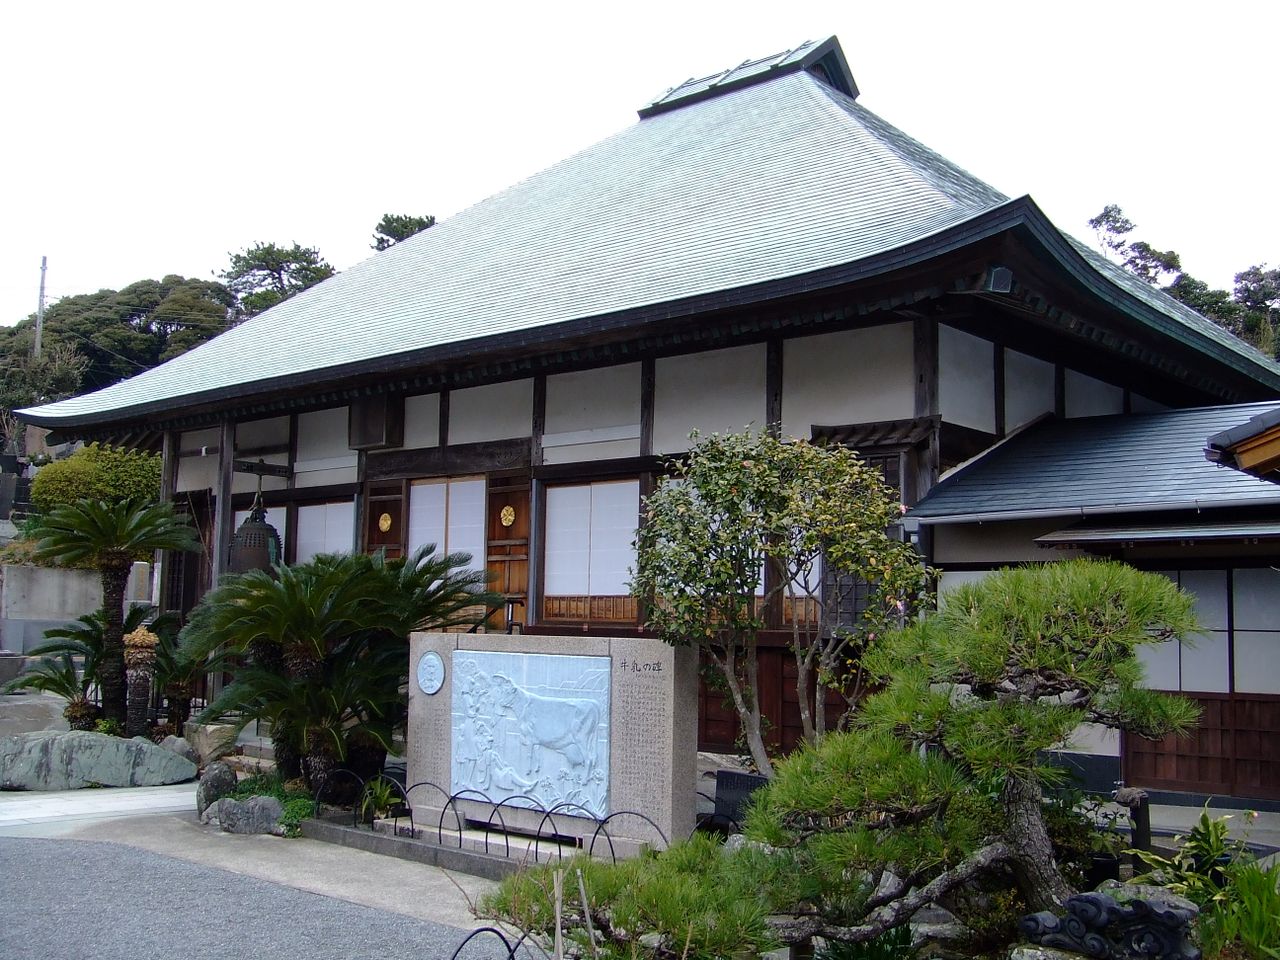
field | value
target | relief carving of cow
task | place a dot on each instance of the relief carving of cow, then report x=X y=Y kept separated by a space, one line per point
x=563 y=725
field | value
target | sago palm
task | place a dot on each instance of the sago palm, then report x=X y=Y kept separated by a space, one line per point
x=112 y=536
x=327 y=645
x=57 y=673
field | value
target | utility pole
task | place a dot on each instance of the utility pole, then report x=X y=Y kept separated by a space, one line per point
x=44 y=264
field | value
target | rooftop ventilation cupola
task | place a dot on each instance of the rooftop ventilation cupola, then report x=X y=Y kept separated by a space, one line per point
x=823 y=60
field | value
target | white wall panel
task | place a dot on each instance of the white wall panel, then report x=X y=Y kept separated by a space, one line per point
x=325 y=528
x=1205 y=663
x=855 y=376
x=322 y=435
x=422 y=421
x=498 y=411
x=262 y=433
x=324 y=477
x=1209 y=587
x=966 y=379
x=1160 y=664
x=1257 y=599
x=1028 y=389
x=568 y=544
x=589 y=399
x=1257 y=660
x=720 y=391
x=198 y=460
x=1087 y=397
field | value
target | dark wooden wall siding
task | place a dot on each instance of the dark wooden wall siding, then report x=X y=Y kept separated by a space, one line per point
x=1234 y=751
x=779 y=702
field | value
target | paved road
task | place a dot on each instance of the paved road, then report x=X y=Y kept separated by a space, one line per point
x=71 y=899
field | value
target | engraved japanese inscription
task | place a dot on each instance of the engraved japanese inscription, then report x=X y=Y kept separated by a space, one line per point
x=532 y=726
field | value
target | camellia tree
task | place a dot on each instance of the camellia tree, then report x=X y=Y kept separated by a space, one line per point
x=933 y=795
x=820 y=521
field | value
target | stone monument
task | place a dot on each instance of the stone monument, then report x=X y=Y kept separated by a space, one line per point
x=587 y=727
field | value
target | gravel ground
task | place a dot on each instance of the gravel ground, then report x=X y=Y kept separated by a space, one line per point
x=77 y=900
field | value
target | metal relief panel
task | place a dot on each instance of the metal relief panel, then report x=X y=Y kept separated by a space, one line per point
x=532 y=725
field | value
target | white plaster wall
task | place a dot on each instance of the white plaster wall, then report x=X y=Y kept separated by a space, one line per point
x=320 y=478
x=594 y=445
x=323 y=456
x=197 y=471
x=966 y=379
x=588 y=399
x=262 y=433
x=422 y=421
x=855 y=376
x=949 y=580
x=322 y=435
x=720 y=391
x=1028 y=389
x=1087 y=397
x=498 y=411
x=1095 y=739
x=996 y=543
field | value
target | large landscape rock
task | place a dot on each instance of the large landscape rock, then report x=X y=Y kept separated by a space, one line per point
x=217 y=781
x=210 y=740
x=255 y=815
x=52 y=760
x=180 y=746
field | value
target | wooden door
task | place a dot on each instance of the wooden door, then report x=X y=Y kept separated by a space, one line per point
x=507 y=549
x=385 y=518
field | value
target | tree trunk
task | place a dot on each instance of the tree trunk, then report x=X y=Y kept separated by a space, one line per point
x=748 y=714
x=283 y=750
x=139 y=703
x=111 y=679
x=1039 y=879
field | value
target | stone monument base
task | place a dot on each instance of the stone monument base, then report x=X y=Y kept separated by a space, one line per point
x=552 y=736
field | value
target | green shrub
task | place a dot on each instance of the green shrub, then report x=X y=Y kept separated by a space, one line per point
x=97 y=473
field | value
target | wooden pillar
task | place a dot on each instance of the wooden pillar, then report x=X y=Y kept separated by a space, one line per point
x=223 y=515
x=168 y=488
x=538 y=425
x=773 y=386
x=925 y=357
x=648 y=386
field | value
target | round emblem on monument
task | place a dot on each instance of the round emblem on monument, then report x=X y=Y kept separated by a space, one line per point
x=430 y=673
x=507 y=515
x=384 y=522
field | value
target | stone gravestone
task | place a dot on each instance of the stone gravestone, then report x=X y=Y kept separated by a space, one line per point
x=592 y=726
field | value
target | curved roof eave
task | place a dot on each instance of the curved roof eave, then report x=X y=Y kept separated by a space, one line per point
x=1018 y=212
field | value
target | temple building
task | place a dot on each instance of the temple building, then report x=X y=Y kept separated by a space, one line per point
x=757 y=249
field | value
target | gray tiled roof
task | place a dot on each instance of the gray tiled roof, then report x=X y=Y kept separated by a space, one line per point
x=781 y=179
x=1101 y=465
x=765 y=182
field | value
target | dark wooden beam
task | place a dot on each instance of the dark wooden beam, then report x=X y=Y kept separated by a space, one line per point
x=484 y=457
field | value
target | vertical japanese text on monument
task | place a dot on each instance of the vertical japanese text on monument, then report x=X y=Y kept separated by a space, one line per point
x=532 y=726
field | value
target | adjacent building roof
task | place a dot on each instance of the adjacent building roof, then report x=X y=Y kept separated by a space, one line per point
x=1094 y=466
x=765 y=181
x=1253 y=446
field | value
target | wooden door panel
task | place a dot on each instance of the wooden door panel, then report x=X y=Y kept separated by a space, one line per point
x=507 y=549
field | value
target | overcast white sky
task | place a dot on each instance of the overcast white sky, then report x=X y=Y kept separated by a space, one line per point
x=142 y=139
